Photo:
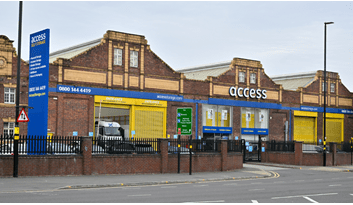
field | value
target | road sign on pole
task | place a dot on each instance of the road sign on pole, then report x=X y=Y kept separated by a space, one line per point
x=23 y=117
x=184 y=121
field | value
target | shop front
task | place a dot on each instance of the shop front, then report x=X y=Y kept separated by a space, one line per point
x=216 y=122
x=140 y=118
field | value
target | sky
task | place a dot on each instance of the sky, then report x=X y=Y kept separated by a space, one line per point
x=287 y=37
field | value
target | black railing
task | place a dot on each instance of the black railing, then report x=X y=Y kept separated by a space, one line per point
x=315 y=147
x=201 y=145
x=40 y=145
x=235 y=146
x=345 y=146
x=120 y=146
x=280 y=146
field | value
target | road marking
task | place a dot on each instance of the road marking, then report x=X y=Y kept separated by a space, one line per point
x=206 y=201
x=140 y=195
x=335 y=185
x=168 y=187
x=286 y=197
x=335 y=178
x=350 y=177
x=256 y=189
x=318 y=179
x=254 y=201
x=131 y=188
x=305 y=197
x=351 y=194
x=201 y=185
x=233 y=184
x=279 y=182
x=257 y=183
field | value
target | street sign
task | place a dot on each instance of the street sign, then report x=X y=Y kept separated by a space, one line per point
x=184 y=121
x=22 y=117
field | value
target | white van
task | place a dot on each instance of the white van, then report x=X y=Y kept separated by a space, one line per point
x=108 y=131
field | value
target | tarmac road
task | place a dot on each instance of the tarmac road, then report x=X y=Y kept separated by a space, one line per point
x=255 y=183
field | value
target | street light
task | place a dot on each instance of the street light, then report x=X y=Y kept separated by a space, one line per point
x=325 y=88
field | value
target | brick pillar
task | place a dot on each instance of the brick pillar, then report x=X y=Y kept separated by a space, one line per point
x=224 y=155
x=86 y=149
x=298 y=153
x=164 y=155
x=333 y=150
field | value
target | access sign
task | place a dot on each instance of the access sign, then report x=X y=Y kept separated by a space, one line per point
x=184 y=121
x=22 y=117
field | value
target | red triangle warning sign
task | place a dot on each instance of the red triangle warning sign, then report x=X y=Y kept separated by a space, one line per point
x=22 y=117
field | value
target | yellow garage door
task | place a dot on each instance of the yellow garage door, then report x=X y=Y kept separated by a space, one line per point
x=334 y=130
x=304 y=129
x=149 y=122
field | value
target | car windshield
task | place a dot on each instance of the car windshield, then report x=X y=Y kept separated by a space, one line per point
x=111 y=131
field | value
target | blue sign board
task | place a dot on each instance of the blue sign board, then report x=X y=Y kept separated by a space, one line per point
x=254 y=131
x=263 y=149
x=328 y=110
x=222 y=130
x=38 y=88
x=117 y=93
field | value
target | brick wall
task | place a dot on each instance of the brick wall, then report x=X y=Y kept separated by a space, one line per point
x=87 y=164
x=298 y=157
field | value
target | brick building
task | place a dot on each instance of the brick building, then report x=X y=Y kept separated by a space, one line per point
x=120 y=77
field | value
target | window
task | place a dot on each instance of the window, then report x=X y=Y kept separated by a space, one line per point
x=134 y=59
x=253 y=78
x=9 y=128
x=323 y=86
x=332 y=87
x=10 y=95
x=241 y=77
x=118 y=56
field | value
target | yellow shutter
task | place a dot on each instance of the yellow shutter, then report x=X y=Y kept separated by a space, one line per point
x=149 y=122
x=304 y=129
x=334 y=130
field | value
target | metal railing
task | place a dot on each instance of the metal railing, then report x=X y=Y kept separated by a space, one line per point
x=345 y=147
x=235 y=146
x=280 y=146
x=201 y=145
x=40 y=145
x=134 y=146
x=315 y=147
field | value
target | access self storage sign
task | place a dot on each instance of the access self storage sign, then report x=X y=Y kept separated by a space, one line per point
x=184 y=121
x=38 y=83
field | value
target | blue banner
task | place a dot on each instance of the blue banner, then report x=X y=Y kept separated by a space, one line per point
x=117 y=93
x=328 y=110
x=38 y=88
x=254 y=131
x=222 y=130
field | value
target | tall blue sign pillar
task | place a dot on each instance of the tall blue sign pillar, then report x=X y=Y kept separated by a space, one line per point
x=38 y=91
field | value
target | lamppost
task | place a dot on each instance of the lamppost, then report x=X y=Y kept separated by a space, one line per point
x=325 y=88
x=16 y=133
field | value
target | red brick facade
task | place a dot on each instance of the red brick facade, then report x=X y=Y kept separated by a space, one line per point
x=95 y=68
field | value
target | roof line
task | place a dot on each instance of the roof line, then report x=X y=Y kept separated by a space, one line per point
x=75 y=47
x=205 y=66
x=294 y=75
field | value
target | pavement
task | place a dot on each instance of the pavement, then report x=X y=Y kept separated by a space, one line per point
x=251 y=170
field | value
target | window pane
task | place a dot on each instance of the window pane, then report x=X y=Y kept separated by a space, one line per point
x=253 y=78
x=332 y=87
x=117 y=56
x=241 y=77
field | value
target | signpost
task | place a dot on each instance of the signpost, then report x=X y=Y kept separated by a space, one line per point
x=38 y=87
x=23 y=117
x=184 y=121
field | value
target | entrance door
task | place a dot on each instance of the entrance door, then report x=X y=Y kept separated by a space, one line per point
x=252 y=150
